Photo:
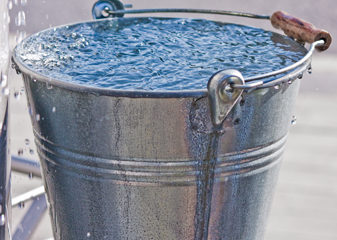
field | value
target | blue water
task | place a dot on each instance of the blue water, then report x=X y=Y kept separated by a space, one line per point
x=154 y=53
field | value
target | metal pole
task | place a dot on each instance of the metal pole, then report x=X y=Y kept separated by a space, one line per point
x=27 y=166
x=4 y=180
x=31 y=219
x=37 y=192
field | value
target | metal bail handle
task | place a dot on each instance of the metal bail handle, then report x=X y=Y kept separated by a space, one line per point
x=102 y=8
x=222 y=97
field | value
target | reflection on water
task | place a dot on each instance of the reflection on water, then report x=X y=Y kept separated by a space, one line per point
x=154 y=54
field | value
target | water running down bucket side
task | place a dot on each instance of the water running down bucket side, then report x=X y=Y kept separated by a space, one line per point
x=222 y=99
x=142 y=170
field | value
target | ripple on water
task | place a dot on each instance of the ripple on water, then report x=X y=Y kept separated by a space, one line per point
x=154 y=53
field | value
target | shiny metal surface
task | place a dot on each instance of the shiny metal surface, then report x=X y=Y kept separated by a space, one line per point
x=298 y=69
x=23 y=165
x=152 y=165
x=131 y=168
x=100 y=8
x=222 y=96
x=114 y=8
x=112 y=13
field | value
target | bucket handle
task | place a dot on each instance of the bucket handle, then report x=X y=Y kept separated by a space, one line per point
x=293 y=27
x=222 y=96
x=300 y=30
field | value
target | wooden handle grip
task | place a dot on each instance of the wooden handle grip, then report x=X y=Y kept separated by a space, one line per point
x=300 y=30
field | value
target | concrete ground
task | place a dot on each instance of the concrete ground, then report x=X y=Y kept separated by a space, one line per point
x=304 y=206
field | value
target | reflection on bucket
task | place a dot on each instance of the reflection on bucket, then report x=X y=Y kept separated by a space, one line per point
x=161 y=164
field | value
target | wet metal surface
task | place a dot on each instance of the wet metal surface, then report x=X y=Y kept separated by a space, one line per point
x=137 y=179
x=157 y=167
x=305 y=201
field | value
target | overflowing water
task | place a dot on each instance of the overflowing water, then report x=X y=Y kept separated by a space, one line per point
x=154 y=53
x=293 y=120
x=205 y=188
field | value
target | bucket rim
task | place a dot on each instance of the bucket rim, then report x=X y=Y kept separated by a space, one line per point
x=22 y=69
x=134 y=93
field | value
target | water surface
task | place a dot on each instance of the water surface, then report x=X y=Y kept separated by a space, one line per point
x=154 y=53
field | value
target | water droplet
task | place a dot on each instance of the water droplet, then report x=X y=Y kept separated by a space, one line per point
x=23 y=2
x=293 y=120
x=20 y=151
x=30 y=112
x=262 y=91
x=37 y=117
x=49 y=86
x=8 y=18
x=309 y=70
x=88 y=234
x=2 y=220
x=10 y=5
x=34 y=80
x=5 y=91
x=277 y=87
x=31 y=151
x=30 y=175
x=300 y=76
x=229 y=89
x=53 y=109
x=20 y=20
x=17 y=95
x=21 y=204
x=16 y=2
x=290 y=81
x=27 y=142
x=20 y=36
x=3 y=80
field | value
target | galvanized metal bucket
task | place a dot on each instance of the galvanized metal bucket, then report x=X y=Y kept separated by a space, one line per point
x=162 y=165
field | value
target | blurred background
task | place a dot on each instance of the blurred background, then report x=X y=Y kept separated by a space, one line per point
x=304 y=206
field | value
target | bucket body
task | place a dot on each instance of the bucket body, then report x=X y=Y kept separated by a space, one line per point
x=144 y=164
x=134 y=167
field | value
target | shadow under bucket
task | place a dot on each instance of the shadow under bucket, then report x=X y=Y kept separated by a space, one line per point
x=160 y=164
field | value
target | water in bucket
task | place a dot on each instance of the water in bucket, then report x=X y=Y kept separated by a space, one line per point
x=154 y=53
